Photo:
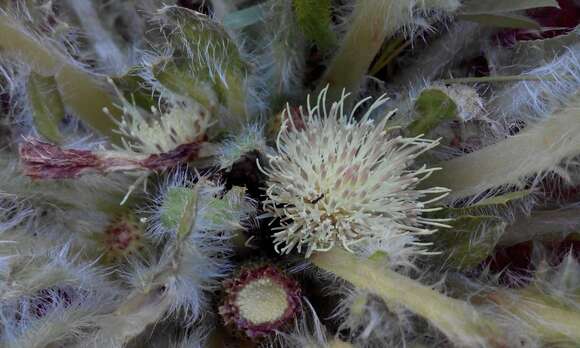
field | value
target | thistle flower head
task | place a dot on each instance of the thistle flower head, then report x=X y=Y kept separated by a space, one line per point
x=164 y=132
x=339 y=180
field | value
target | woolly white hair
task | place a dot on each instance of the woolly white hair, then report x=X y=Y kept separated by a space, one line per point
x=535 y=100
x=49 y=296
x=343 y=181
x=203 y=254
x=283 y=59
x=370 y=321
x=251 y=138
x=307 y=331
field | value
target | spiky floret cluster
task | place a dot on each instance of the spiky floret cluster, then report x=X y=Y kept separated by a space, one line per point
x=260 y=300
x=347 y=181
x=164 y=132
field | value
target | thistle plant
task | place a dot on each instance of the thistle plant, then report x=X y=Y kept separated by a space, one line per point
x=289 y=173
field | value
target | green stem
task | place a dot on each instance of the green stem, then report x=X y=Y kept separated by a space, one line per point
x=457 y=319
x=553 y=323
x=537 y=149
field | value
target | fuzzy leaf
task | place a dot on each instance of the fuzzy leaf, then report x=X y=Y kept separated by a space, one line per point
x=203 y=40
x=81 y=91
x=477 y=208
x=379 y=256
x=223 y=210
x=433 y=107
x=188 y=215
x=204 y=49
x=502 y=20
x=220 y=211
x=533 y=51
x=470 y=240
x=543 y=226
x=47 y=106
x=179 y=79
x=503 y=199
x=172 y=209
x=474 y=7
x=508 y=161
x=135 y=89
x=390 y=51
x=314 y=19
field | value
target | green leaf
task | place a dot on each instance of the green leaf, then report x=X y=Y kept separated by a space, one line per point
x=503 y=199
x=473 y=234
x=177 y=206
x=473 y=7
x=220 y=211
x=47 y=106
x=83 y=93
x=314 y=19
x=433 y=107
x=379 y=256
x=470 y=240
x=390 y=51
x=204 y=50
x=202 y=40
x=188 y=215
x=135 y=89
x=225 y=211
x=479 y=207
x=178 y=78
x=531 y=52
x=502 y=20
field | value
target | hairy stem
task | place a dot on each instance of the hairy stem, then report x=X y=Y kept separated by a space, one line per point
x=535 y=150
x=553 y=323
x=457 y=319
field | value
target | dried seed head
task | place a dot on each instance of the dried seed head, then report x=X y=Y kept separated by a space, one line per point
x=339 y=180
x=122 y=238
x=49 y=161
x=259 y=301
